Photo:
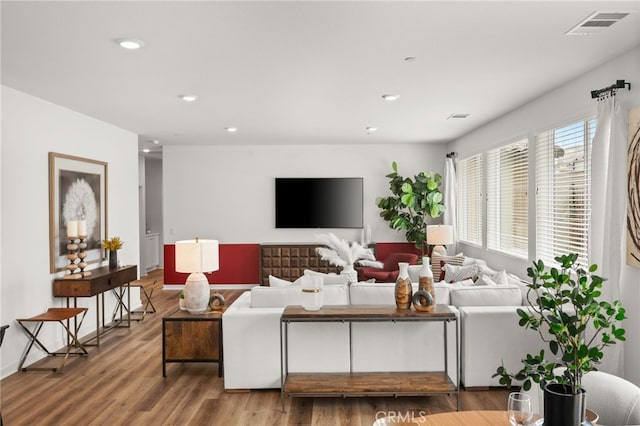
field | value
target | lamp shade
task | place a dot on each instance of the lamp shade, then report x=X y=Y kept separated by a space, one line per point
x=197 y=256
x=439 y=234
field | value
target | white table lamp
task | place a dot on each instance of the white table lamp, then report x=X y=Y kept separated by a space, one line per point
x=196 y=257
x=438 y=236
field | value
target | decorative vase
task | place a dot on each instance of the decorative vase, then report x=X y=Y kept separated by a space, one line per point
x=181 y=305
x=216 y=302
x=113 y=258
x=425 y=298
x=312 y=295
x=562 y=408
x=403 y=290
x=350 y=273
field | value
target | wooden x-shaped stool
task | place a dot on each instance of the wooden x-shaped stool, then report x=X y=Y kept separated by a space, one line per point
x=59 y=315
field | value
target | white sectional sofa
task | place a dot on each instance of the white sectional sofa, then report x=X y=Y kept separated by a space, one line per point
x=489 y=335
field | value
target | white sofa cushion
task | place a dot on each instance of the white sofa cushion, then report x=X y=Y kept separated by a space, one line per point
x=486 y=296
x=278 y=297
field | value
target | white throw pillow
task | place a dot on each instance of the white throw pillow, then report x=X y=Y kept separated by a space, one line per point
x=279 y=282
x=328 y=279
x=453 y=273
x=471 y=260
x=501 y=278
x=485 y=279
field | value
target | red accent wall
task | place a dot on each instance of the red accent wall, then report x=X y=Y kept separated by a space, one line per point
x=239 y=264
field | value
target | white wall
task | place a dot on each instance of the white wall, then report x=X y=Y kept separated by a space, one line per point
x=31 y=129
x=228 y=192
x=569 y=102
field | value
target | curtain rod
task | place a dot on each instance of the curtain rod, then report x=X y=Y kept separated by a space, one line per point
x=611 y=90
x=452 y=154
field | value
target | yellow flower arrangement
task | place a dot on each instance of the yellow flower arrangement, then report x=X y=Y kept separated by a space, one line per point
x=115 y=243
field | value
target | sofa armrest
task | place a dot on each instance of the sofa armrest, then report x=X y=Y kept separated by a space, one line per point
x=491 y=336
x=250 y=344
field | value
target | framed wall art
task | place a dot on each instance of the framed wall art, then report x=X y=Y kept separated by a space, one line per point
x=633 y=190
x=77 y=204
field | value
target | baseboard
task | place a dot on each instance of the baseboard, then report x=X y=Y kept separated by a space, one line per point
x=213 y=286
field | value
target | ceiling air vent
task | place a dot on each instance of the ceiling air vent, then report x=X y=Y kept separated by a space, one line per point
x=596 y=23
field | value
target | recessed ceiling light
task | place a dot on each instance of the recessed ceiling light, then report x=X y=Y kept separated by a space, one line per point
x=188 y=98
x=371 y=129
x=231 y=129
x=146 y=150
x=155 y=142
x=458 y=115
x=390 y=97
x=130 y=43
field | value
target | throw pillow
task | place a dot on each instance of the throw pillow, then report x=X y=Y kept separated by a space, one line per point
x=438 y=261
x=328 y=279
x=485 y=279
x=454 y=273
x=279 y=282
x=471 y=260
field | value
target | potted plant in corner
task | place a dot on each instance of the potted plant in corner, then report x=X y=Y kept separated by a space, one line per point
x=412 y=203
x=575 y=325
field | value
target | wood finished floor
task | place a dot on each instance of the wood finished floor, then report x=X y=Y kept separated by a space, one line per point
x=121 y=383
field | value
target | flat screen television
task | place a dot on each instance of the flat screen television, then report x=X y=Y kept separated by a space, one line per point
x=319 y=202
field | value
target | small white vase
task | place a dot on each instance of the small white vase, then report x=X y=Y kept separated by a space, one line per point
x=312 y=295
x=351 y=274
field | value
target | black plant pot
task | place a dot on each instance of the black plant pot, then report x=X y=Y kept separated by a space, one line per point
x=562 y=408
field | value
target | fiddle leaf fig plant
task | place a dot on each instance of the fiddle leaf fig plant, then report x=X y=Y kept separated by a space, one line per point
x=412 y=202
x=571 y=319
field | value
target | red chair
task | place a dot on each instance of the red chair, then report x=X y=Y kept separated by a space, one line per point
x=390 y=270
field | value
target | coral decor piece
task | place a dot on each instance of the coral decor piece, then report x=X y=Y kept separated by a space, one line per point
x=344 y=254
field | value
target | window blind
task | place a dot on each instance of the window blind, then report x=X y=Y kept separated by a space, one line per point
x=507 y=205
x=470 y=194
x=563 y=191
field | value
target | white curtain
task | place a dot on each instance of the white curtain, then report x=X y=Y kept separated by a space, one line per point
x=607 y=229
x=450 y=195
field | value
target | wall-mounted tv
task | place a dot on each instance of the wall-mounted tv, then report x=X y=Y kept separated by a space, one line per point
x=319 y=202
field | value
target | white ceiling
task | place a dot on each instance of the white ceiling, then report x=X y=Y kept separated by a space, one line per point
x=302 y=72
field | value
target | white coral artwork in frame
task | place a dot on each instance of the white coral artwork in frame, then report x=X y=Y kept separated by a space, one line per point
x=77 y=192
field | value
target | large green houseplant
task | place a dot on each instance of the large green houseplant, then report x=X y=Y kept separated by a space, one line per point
x=412 y=202
x=566 y=310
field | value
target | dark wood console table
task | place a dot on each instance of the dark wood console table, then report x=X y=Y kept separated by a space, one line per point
x=367 y=383
x=100 y=281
